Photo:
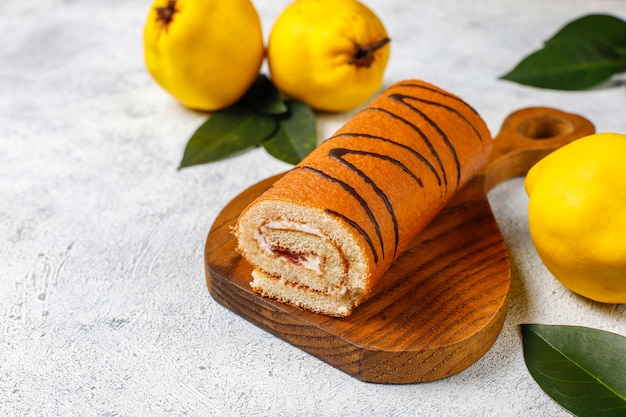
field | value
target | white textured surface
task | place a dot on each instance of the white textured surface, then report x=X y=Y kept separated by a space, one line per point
x=103 y=305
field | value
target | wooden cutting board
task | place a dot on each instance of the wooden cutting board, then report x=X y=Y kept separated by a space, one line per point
x=442 y=304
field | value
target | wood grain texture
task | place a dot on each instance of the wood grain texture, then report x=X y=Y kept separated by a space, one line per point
x=441 y=305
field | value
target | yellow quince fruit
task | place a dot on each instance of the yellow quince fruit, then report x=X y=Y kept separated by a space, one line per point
x=577 y=215
x=204 y=53
x=329 y=54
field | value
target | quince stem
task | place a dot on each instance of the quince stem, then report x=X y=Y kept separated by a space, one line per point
x=364 y=54
x=165 y=15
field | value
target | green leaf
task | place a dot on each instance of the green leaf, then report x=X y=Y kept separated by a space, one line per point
x=582 y=369
x=568 y=65
x=610 y=29
x=264 y=98
x=226 y=133
x=296 y=136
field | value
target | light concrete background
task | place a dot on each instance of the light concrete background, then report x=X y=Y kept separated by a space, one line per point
x=103 y=305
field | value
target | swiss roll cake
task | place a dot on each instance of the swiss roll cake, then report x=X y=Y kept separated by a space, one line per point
x=324 y=234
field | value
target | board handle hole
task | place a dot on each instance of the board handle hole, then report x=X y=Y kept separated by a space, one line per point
x=545 y=127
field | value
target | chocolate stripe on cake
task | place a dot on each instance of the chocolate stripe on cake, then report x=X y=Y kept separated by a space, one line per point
x=449 y=108
x=350 y=190
x=338 y=153
x=402 y=98
x=408 y=149
x=443 y=93
x=358 y=229
x=421 y=135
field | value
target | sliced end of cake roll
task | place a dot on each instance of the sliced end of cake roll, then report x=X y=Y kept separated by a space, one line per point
x=303 y=256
